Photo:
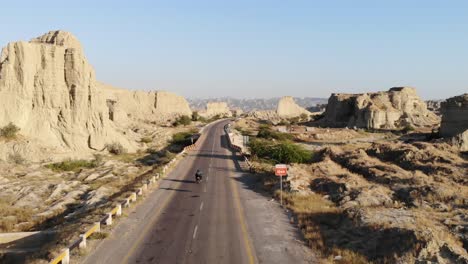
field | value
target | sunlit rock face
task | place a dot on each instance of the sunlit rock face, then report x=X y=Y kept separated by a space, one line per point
x=287 y=108
x=394 y=109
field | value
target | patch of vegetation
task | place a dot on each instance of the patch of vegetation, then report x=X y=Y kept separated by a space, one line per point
x=408 y=128
x=267 y=133
x=294 y=120
x=73 y=165
x=146 y=140
x=98 y=235
x=12 y=215
x=166 y=157
x=195 y=116
x=9 y=131
x=280 y=152
x=304 y=117
x=16 y=158
x=183 y=138
x=116 y=148
x=182 y=120
x=317 y=117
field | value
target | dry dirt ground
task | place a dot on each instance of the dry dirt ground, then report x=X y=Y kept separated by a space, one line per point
x=378 y=197
x=34 y=197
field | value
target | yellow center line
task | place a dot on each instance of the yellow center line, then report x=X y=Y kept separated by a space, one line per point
x=240 y=212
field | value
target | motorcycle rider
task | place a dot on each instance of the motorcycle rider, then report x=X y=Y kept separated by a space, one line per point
x=198 y=175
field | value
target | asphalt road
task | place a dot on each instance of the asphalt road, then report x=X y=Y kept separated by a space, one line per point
x=186 y=222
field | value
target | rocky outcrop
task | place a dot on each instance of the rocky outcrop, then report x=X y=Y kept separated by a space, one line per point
x=216 y=108
x=397 y=108
x=434 y=106
x=287 y=108
x=159 y=106
x=455 y=120
x=461 y=141
x=454 y=116
x=49 y=90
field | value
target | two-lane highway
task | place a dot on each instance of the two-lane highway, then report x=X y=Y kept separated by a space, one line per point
x=201 y=222
x=186 y=222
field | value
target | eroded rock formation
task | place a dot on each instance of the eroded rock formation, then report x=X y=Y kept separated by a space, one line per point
x=455 y=120
x=216 y=108
x=397 y=108
x=287 y=108
x=49 y=90
x=158 y=106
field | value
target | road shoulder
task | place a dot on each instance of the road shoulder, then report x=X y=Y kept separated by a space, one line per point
x=274 y=238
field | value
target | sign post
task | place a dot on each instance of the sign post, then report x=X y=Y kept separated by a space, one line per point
x=280 y=171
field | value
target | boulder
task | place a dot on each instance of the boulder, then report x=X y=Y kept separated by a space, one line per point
x=287 y=108
x=395 y=109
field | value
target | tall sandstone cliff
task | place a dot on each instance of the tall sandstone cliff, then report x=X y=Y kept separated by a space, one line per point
x=287 y=108
x=49 y=90
x=397 y=108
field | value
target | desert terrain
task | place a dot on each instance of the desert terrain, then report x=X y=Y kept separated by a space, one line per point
x=376 y=177
x=365 y=189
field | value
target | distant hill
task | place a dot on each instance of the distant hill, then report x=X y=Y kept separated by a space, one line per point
x=255 y=103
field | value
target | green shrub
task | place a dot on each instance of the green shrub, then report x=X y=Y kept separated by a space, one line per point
x=304 y=117
x=146 y=140
x=195 y=116
x=183 y=120
x=294 y=120
x=182 y=138
x=408 y=128
x=281 y=152
x=9 y=131
x=267 y=133
x=116 y=148
x=71 y=165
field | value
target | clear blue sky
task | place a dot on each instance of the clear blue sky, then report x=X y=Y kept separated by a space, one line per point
x=264 y=48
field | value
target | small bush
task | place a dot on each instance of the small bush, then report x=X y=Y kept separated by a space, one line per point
x=183 y=120
x=182 y=138
x=294 y=120
x=9 y=131
x=304 y=117
x=408 y=128
x=16 y=158
x=282 y=152
x=98 y=159
x=98 y=235
x=195 y=116
x=267 y=133
x=71 y=165
x=146 y=140
x=116 y=148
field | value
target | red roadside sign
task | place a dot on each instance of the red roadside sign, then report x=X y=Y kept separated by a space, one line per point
x=281 y=170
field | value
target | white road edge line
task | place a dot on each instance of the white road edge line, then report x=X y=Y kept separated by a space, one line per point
x=195 y=232
x=201 y=206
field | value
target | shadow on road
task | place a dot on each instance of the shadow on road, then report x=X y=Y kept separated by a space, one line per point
x=177 y=190
x=184 y=181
